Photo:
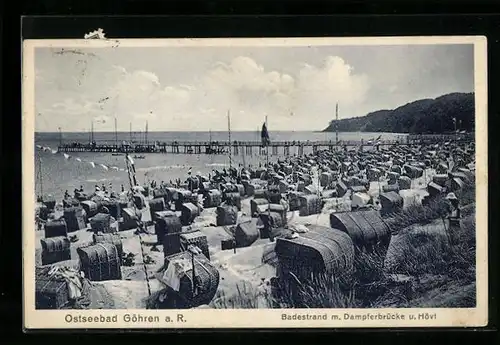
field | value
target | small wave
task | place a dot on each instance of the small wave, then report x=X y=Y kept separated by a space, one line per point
x=158 y=167
x=216 y=165
x=162 y=167
x=97 y=180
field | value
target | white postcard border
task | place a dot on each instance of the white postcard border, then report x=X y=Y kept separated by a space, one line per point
x=257 y=318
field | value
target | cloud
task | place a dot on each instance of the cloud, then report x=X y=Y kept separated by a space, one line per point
x=320 y=88
x=83 y=89
x=247 y=87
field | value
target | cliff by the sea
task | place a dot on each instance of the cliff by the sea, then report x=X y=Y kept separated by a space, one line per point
x=422 y=116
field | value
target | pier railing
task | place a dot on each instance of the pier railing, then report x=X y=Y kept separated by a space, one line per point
x=221 y=147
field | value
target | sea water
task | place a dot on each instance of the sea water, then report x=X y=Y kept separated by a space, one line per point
x=60 y=174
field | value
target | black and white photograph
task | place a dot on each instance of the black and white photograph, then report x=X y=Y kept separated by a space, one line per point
x=332 y=176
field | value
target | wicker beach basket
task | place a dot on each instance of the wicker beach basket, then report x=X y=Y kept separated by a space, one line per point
x=156 y=205
x=75 y=218
x=320 y=250
x=189 y=212
x=56 y=228
x=167 y=225
x=114 y=239
x=309 y=205
x=113 y=207
x=206 y=280
x=50 y=292
x=367 y=229
x=90 y=208
x=233 y=198
x=100 y=262
x=254 y=206
x=197 y=239
x=101 y=222
x=226 y=215
x=213 y=198
x=55 y=249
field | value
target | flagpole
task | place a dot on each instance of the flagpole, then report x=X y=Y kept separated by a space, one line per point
x=116 y=136
x=41 y=175
x=127 y=160
x=243 y=151
x=229 y=136
x=336 y=125
x=267 y=174
x=267 y=147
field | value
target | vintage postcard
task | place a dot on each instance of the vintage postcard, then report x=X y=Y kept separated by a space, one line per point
x=255 y=183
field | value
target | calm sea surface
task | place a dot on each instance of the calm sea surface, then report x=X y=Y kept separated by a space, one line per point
x=60 y=174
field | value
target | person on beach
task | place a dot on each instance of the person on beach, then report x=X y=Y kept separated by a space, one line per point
x=454 y=210
x=81 y=189
x=66 y=195
x=122 y=188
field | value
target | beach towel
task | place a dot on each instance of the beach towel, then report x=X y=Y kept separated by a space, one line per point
x=72 y=278
x=175 y=271
x=298 y=228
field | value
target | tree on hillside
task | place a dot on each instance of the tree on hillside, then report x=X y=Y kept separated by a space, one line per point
x=422 y=116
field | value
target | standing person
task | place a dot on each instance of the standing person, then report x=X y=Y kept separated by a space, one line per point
x=454 y=211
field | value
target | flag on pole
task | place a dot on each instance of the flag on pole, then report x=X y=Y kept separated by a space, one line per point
x=264 y=135
x=131 y=170
x=131 y=164
x=451 y=163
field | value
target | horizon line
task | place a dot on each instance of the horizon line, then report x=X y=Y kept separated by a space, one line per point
x=186 y=130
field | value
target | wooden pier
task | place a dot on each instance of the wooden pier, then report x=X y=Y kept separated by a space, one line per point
x=249 y=147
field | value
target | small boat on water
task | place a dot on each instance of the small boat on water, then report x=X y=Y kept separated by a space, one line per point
x=117 y=154
x=139 y=157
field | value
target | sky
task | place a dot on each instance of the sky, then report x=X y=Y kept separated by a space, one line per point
x=194 y=88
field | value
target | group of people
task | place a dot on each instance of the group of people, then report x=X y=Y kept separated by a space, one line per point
x=103 y=190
